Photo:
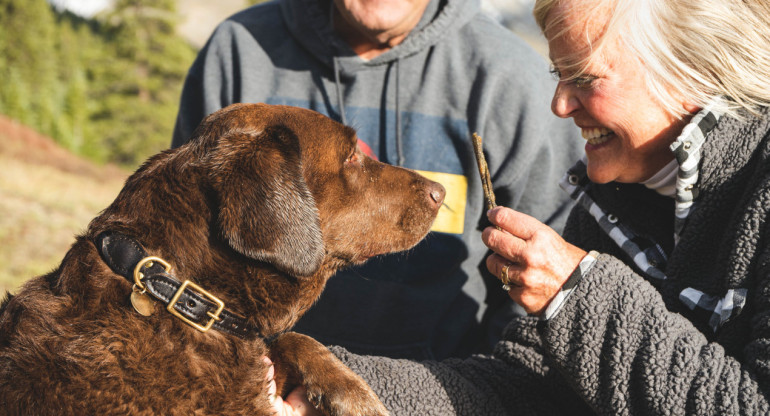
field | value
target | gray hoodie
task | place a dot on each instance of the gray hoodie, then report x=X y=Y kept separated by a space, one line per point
x=415 y=105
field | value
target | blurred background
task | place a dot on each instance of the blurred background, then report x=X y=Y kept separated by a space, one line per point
x=88 y=90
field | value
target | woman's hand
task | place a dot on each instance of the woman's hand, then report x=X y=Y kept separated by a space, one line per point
x=296 y=403
x=538 y=260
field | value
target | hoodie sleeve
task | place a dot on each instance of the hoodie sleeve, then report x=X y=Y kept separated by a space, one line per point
x=514 y=381
x=625 y=353
x=427 y=388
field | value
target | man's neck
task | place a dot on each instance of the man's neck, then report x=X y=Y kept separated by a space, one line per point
x=363 y=44
x=366 y=44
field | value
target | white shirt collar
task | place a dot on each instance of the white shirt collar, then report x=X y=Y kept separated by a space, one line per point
x=664 y=182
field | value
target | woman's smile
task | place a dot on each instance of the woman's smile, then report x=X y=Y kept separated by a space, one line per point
x=596 y=135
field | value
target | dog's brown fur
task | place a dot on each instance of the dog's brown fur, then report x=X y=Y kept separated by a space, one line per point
x=260 y=208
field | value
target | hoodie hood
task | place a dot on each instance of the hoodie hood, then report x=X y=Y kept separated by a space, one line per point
x=309 y=22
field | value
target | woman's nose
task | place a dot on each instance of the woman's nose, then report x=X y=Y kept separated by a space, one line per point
x=564 y=102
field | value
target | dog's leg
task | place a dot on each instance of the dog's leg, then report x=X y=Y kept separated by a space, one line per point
x=331 y=386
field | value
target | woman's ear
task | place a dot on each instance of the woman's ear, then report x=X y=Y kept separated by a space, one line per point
x=266 y=211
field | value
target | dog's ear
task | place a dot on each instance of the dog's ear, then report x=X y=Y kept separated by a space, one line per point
x=266 y=211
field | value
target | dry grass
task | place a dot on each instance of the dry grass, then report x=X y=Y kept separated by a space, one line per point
x=46 y=197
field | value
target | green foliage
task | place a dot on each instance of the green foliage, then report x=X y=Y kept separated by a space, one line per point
x=106 y=88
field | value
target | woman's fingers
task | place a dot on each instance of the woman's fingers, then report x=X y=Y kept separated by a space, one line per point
x=514 y=222
x=295 y=404
x=501 y=266
x=504 y=243
x=531 y=260
x=300 y=405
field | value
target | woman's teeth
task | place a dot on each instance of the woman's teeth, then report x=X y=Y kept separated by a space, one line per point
x=596 y=135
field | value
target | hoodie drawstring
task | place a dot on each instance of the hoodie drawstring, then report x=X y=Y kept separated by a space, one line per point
x=341 y=106
x=338 y=85
x=399 y=150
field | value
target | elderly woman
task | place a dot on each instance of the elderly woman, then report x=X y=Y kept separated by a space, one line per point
x=657 y=298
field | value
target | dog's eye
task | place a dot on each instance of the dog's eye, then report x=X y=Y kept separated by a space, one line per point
x=353 y=158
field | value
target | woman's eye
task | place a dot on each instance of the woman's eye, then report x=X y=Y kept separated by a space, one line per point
x=555 y=73
x=584 y=81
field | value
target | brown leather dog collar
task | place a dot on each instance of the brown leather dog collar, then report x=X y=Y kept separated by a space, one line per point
x=185 y=300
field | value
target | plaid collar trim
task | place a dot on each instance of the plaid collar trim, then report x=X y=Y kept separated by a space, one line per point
x=687 y=151
x=714 y=309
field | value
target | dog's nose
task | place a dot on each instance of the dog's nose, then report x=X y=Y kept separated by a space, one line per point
x=437 y=193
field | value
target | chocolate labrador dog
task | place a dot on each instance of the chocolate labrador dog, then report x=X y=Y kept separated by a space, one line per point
x=171 y=298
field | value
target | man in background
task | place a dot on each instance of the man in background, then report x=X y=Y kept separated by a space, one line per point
x=415 y=78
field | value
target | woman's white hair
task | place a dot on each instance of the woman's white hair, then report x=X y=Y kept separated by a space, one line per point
x=692 y=50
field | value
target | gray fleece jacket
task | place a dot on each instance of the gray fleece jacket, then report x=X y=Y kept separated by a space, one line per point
x=631 y=339
x=416 y=105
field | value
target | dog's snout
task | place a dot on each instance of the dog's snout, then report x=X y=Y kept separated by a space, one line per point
x=437 y=193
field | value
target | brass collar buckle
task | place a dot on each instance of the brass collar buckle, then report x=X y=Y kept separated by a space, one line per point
x=171 y=306
x=214 y=316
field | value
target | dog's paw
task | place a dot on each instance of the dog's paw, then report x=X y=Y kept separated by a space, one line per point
x=331 y=386
x=350 y=397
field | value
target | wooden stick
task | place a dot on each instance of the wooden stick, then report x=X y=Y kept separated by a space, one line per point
x=486 y=180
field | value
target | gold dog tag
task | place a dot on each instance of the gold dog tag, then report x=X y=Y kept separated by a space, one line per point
x=142 y=302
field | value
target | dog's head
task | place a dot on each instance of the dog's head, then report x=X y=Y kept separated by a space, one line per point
x=294 y=190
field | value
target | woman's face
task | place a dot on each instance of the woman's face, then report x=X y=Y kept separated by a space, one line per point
x=627 y=131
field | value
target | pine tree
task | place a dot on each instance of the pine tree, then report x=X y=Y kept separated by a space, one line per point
x=27 y=41
x=145 y=79
x=15 y=97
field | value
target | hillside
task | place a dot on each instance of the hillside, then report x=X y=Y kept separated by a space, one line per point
x=47 y=196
